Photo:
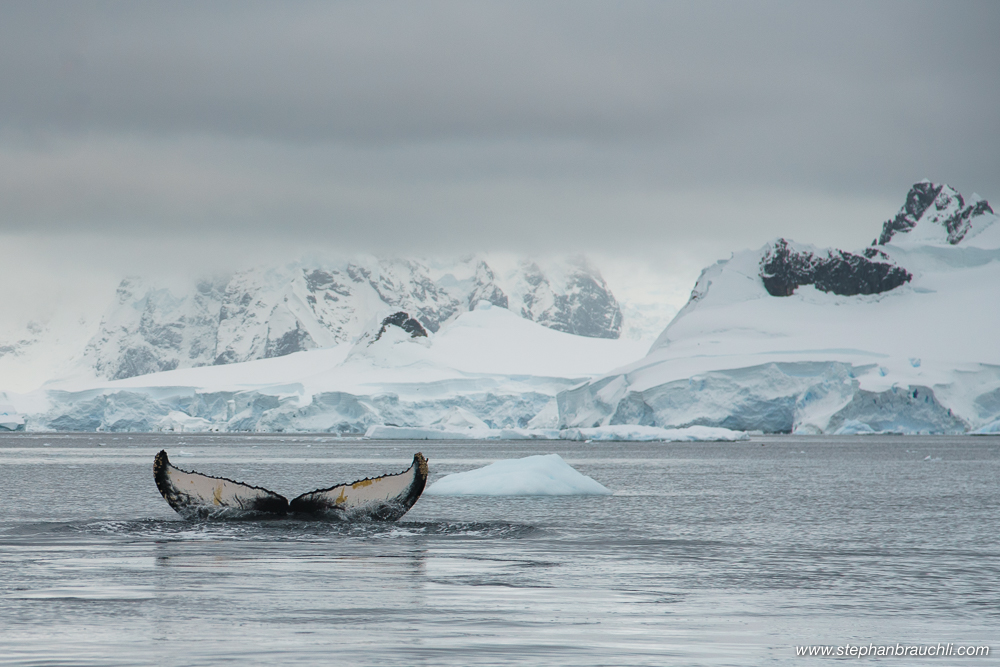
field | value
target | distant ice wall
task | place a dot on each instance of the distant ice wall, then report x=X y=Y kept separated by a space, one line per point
x=187 y=409
x=801 y=397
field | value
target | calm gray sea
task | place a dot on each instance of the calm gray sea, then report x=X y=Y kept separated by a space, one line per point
x=706 y=554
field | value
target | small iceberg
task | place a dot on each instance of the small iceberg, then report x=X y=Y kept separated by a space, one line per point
x=543 y=475
x=626 y=432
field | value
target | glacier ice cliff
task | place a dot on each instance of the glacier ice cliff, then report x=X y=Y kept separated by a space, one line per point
x=898 y=337
x=488 y=367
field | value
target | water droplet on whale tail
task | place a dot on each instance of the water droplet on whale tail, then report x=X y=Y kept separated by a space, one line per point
x=194 y=495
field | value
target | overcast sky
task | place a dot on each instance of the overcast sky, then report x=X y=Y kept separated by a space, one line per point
x=664 y=133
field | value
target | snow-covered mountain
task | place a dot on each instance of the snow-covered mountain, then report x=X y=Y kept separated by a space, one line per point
x=900 y=336
x=271 y=312
x=936 y=214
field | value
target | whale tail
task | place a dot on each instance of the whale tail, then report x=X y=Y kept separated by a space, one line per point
x=384 y=498
x=194 y=495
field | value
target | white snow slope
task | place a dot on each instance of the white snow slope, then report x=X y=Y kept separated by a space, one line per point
x=921 y=358
x=152 y=325
x=275 y=311
x=487 y=368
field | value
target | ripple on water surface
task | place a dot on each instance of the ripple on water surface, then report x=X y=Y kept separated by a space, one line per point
x=707 y=554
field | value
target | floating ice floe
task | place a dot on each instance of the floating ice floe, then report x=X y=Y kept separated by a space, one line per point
x=543 y=475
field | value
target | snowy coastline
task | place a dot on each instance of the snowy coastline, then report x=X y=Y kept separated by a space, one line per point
x=898 y=337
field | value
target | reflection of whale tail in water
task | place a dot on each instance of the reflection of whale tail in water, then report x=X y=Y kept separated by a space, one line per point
x=384 y=498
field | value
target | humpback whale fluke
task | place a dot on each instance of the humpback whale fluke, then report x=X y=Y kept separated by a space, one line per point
x=385 y=498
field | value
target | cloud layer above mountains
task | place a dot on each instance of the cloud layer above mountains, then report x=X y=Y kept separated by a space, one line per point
x=487 y=125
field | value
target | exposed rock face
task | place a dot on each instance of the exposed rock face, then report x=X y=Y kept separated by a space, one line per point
x=406 y=284
x=151 y=330
x=784 y=268
x=584 y=305
x=932 y=213
x=934 y=204
x=259 y=318
x=485 y=288
x=404 y=322
x=272 y=312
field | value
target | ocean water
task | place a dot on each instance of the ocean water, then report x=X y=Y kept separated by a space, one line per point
x=706 y=554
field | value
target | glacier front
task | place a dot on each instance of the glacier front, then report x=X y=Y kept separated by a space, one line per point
x=899 y=337
x=487 y=370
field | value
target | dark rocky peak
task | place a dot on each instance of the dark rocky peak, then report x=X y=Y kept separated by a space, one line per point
x=874 y=253
x=920 y=197
x=404 y=322
x=935 y=204
x=784 y=268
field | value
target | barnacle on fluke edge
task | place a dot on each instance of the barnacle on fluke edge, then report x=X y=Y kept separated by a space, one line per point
x=194 y=495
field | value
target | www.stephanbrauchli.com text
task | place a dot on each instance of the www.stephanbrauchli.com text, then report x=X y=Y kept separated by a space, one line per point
x=893 y=650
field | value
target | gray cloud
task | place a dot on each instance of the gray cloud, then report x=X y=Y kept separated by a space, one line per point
x=625 y=127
